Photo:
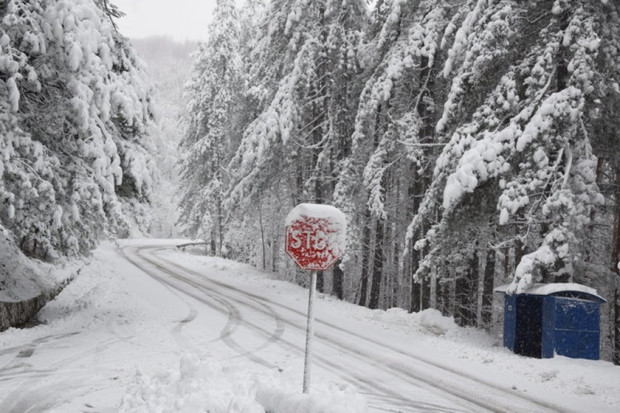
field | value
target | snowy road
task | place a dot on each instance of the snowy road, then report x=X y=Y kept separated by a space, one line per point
x=265 y=331
x=115 y=338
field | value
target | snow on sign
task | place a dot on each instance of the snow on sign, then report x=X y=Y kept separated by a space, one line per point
x=315 y=236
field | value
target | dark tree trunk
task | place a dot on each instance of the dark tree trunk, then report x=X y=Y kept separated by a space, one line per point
x=337 y=281
x=443 y=296
x=365 y=259
x=466 y=294
x=506 y=262
x=425 y=293
x=274 y=254
x=396 y=287
x=262 y=237
x=421 y=291
x=320 y=281
x=413 y=193
x=220 y=226
x=563 y=56
x=416 y=295
x=377 y=268
x=615 y=258
x=616 y=353
x=487 y=288
x=418 y=288
x=319 y=198
x=520 y=251
x=213 y=243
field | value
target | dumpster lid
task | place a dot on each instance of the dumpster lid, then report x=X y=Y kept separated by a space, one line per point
x=557 y=289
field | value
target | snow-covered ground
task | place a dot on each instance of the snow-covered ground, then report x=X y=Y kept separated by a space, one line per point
x=146 y=328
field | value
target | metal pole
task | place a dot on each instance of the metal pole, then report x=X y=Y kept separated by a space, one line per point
x=309 y=333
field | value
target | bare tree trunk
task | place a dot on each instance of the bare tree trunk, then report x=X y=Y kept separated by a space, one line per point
x=415 y=188
x=377 y=268
x=416 y=303
x=425 y=293
x=274 y=254
x=616 y=351
x=262 y=235
x=397 y=284
x=444 y=297
x=220 y=226
x=615 y=259
x=365 y=259
x=416 y=286
x=320 y=115
x=466 y=293
x=337 y=281
x=320 y=281
x=213 y=242
x=520 y=251
x=506 y=261
x=487 y=288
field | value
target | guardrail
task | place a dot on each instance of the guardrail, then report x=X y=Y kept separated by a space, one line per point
x=190 y=244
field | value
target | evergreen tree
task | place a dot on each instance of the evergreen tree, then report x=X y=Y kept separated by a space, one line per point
x=307 y=50
x=467 y=141
x=213 y=100
x=514 y=122
x=75 y=108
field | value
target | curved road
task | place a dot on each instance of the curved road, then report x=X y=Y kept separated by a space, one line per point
x=81 y=368
x=391 y=379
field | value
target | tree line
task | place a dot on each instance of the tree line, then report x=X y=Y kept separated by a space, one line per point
x=76 y=111
x=471 y=143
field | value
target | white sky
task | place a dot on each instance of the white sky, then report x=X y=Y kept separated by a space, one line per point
x=180 y=19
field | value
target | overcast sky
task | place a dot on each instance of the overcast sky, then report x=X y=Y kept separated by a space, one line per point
x=181 y=19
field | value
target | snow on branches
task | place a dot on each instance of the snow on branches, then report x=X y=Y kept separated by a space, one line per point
x=527 y=138
x=78 y=105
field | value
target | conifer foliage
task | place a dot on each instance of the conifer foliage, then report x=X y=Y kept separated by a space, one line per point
x=471 y=144
x=75 y=108
x=214 y=95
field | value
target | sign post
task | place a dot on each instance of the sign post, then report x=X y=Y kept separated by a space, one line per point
x=315 y=240
x=309 y=333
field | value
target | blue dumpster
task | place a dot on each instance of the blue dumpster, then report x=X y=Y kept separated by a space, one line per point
x=550 y=319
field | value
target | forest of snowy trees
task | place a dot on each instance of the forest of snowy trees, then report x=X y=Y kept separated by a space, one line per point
x=75 y=114
x=471 y=143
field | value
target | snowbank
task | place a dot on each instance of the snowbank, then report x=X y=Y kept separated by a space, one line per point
x=25 y=287
x=207 y=385
x=329 y=399
x=20 y=279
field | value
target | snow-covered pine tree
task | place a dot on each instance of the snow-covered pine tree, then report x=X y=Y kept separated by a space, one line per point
x=517 y=135
x=214 y=97
x=602 y=126
x=482 y=124
x=486 y=28
x=169 y=64
x=308 y=50
x=392 y=139
x=75 y=105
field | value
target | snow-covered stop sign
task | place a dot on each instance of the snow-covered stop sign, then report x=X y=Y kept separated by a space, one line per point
x=315 y=235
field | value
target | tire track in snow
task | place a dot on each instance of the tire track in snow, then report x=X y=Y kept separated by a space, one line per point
x=31 y=396
x=400 y=403
x=434 y=373
x=234 y=317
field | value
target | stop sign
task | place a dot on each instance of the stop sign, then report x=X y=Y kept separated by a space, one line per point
x=315 y=236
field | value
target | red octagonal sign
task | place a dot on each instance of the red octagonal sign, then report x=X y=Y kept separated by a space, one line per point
x=315 y=236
